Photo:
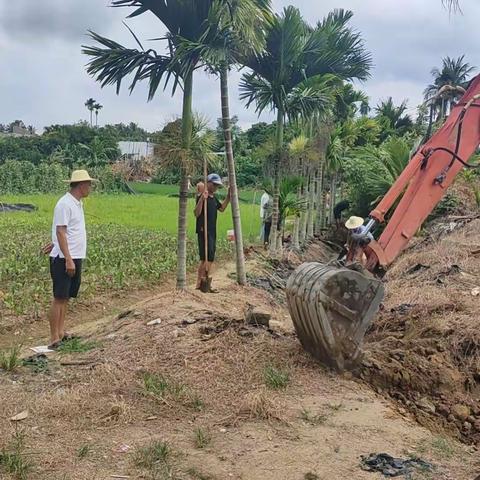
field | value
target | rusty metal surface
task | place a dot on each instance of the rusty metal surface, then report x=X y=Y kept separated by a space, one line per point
x=331 y=308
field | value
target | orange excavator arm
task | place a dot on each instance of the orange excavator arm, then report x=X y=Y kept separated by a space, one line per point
x=426 y=179
x=332 y=304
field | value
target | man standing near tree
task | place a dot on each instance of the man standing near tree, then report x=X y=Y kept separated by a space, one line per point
x=213 y=206
x=266 y=216
x=68 y=249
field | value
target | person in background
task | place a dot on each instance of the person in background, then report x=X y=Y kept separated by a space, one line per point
x=67 y=252
x=267 y=221
x=213 y=206
x=265 y=204
x=338 y=209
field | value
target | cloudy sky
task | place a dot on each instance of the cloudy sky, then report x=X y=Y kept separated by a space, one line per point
x=43 y=78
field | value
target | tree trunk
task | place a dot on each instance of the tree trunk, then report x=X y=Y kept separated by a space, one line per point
x=274 y=243
x=96 y=119
x=302 y=227
x=183 y=200
x=296 y=233
x=91 y=120
x=232 y=179
x=311 y=205
x=333 y=194
x=320 y=220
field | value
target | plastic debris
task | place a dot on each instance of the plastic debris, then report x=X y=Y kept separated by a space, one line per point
x=393 y=467
x=157 y=321
x=20 y=416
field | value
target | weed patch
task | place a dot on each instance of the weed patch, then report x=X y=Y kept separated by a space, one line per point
x=275 y=378
x=162 y=388
x=84 y=451
x=76 y=345
x=202 y=438
x=155 y=459
x=10 y=360
x=311 y=418
x=195 y=474
x=12 y=458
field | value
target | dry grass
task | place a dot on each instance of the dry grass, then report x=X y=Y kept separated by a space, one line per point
x=427 y=338
x=262 y=406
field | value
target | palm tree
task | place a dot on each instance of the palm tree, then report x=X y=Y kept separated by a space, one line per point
x=452 y=5
x=97 y=107
x=168 y=148
x=184 y=21
x=232 y=31
x=396 y=121
x=299 y=149
x=288 y=76
x=90 y=106
x=449 y=84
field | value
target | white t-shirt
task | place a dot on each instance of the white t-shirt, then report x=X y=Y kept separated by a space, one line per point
x=263 y=203
x=69 y=213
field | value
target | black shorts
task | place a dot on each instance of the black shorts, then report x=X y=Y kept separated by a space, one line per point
x=212 y=246
x=65 y=287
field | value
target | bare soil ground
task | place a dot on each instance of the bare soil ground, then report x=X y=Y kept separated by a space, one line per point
x=231 y=400
x=424 y=347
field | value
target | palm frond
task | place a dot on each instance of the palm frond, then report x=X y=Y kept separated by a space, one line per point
x=111 y=62
x=258 y=90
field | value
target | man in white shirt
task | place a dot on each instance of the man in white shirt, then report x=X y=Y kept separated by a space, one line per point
x=265 y=201
x=68 y=249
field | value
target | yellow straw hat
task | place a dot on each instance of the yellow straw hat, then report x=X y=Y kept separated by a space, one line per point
x=80 y=176
x=354 y=222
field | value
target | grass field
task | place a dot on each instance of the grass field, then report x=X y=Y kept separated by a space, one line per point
x=132 y=243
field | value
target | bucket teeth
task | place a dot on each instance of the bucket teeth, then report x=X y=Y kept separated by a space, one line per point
x=331 y=308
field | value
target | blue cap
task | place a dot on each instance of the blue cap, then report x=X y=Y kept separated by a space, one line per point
x=215 y=179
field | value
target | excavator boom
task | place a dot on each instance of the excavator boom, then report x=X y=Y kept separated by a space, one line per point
x=331 y=306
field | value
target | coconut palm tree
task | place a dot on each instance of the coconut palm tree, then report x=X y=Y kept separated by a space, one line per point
x=449 y=84
x=90 y=106
x=288 y=76
x=96 y=108
x=111 y=62
x=232 y=31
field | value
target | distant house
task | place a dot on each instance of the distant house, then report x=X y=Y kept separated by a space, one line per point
x=136 y=150
x=19 y=131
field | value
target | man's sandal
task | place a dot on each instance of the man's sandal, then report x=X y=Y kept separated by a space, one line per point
x=55 y=345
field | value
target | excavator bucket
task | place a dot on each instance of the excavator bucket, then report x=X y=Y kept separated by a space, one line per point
x=331 y=308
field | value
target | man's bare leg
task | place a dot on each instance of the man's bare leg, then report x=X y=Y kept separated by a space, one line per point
x=61 y=323
x=57 y=319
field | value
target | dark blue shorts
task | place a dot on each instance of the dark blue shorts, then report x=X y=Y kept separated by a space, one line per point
x=64 y=286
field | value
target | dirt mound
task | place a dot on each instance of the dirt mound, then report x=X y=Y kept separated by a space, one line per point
x=424 y=347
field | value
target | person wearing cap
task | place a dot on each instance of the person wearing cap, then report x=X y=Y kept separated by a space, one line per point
x=67 y=251
x=358 y=237
x=214 y=182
